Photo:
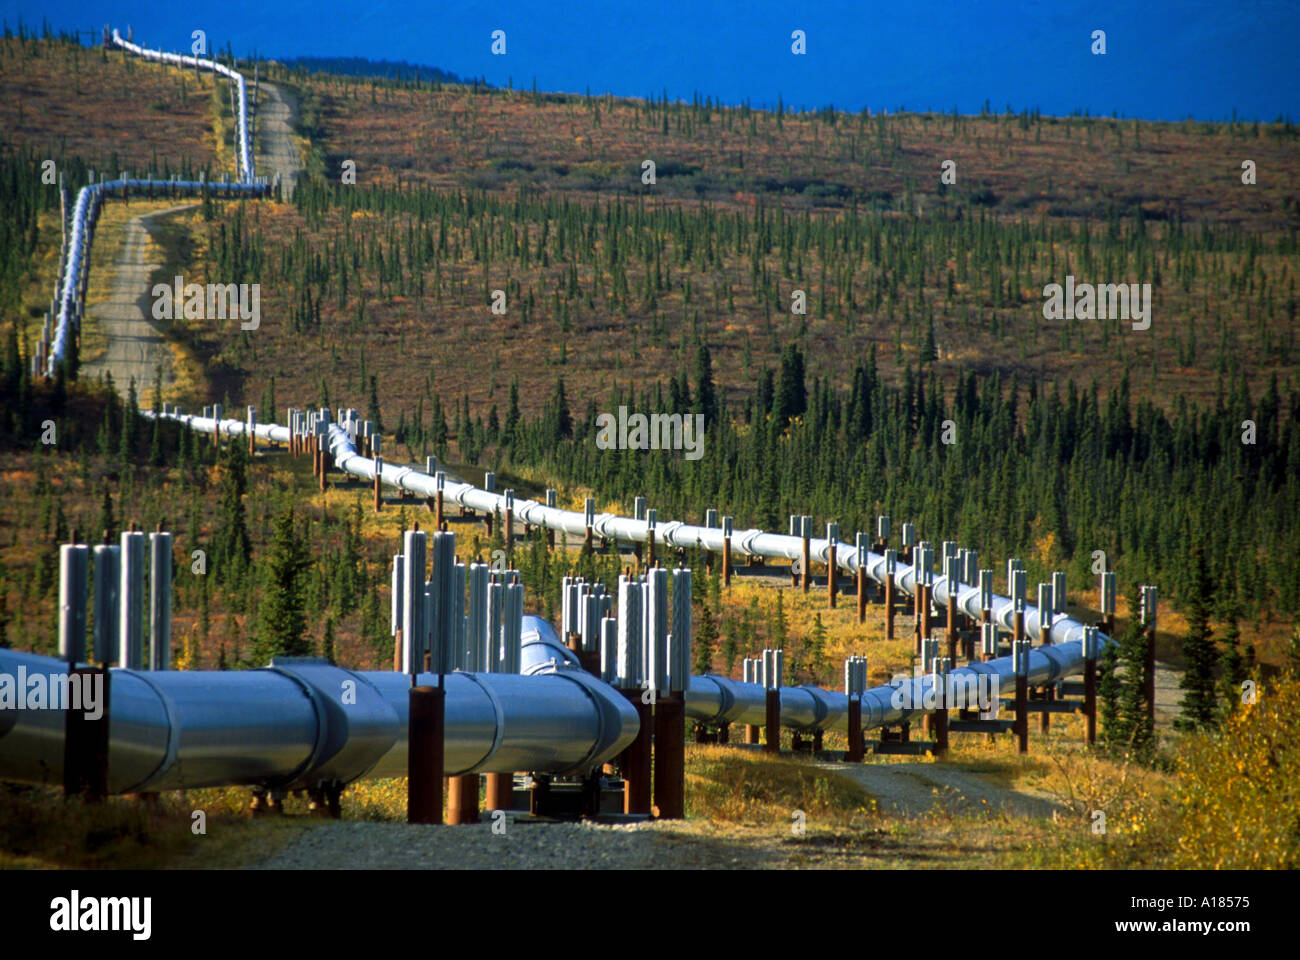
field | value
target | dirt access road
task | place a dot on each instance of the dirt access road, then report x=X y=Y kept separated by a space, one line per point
x=275 y=150
x=137 y=345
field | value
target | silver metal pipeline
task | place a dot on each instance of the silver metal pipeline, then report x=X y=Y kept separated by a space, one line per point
x=300 y=722
x=198 y=63
x=714 y=698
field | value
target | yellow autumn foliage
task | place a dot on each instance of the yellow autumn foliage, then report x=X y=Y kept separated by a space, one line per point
x=1238 y=792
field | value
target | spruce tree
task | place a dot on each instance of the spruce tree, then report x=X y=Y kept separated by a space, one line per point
x=817 y=648
x=1110 y=690
x=106 y=522
x=929 y=351
x=231 y=547
x=327 y=639
x=1232 y=667
x=283 y=611
x=706 y=640
x=1134 y=722
x=1198 y=705
x=706 y=393
x=373 y=413
x=791 y=398
x=730 y=648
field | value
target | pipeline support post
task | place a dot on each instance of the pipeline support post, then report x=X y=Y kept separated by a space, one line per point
x=923 y=598
x=1021 y=653
x=941 y=709
x=462 y=799
x=670 y=756
x=889 y=606
x=772 y=725
x=85 y=745
x=1149 y=631
x=857 y=749
x=806 y=571
x=1090 y=683
x=634 y=762
x=500 y=791
x=425 y=755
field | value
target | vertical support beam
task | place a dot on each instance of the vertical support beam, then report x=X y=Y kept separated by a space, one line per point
x=1090 y=645
x=988 y=641
x=252 y=432
x=832 y=536
x=425 y=755
x=772 y=721
x=941 y=668
x=1021 y=652
x=806 y=572
x=726 y=554
x=500 y=791
x=1046 y=606
x=634 y=762
x=74 y=572
x=1108 y=603
x=951 y=627
x=160 y=600
x=509 y=530
x=379 y=467
x=85 y=744
x=670 y=756
x=857 y=749
x=891 y=564
x=1149 y=629
x=462 y=799
x=131 y=601
x=926 y=626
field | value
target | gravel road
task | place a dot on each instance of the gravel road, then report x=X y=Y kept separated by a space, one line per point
x=136 y=345
x=527 y=846
x=275 y=149
x=913 y=789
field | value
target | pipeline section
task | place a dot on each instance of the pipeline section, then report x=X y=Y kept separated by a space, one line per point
x=76 y=260
x=712 y=698
x=197 y=63
x=76 y=256
x=300 y=722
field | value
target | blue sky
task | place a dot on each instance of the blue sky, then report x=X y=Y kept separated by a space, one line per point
x=1165 y=59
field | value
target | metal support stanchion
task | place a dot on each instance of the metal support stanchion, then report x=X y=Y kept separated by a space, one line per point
x=462 y=799
x=832 y=537
x=425 y=755
x=726 y=552
x=1021 y=648
x=1091 y=643
x=670 y=756
x=635 y=761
